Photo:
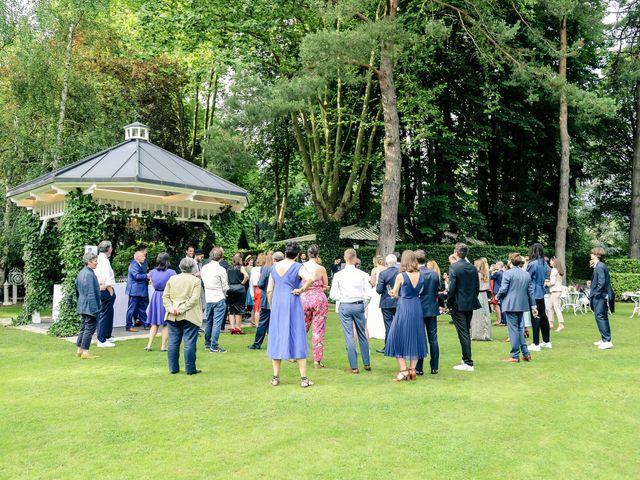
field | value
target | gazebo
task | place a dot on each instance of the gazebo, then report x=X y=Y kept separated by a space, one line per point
x=137 y=176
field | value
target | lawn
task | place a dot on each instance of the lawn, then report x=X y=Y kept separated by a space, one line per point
x=574 y=412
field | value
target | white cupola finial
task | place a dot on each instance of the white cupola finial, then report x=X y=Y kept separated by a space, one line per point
x=136 y=131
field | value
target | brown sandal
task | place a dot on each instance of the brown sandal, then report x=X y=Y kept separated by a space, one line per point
x=275 y=381
x=401 y=376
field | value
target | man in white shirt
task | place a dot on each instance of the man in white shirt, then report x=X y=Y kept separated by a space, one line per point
x=350 y=287
x=107 y=281
x=216 y=284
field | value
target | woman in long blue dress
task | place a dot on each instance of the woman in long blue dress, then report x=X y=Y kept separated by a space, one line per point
x=407 y=337
x=287 y=332
x=159 y=278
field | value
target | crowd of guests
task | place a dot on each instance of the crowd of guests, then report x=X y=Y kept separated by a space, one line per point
x=287 y=297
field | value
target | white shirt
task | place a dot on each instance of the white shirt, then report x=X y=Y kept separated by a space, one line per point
x=104 y=272
x=350 y=285
x=215 y=281
x=254 y=278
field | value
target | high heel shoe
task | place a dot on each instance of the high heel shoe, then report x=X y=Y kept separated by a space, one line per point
x=239 y=331
x=401 y=376
x=233 y=331
x=412 y=374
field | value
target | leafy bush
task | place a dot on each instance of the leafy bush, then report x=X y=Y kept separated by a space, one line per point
x=625 y=282
x=122 y=258
x=623 y=265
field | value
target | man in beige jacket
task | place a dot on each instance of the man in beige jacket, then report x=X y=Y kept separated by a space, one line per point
x=181 y=299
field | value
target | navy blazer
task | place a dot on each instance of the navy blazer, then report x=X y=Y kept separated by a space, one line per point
x=464 y=287
x=497 y=281
x=88 y=291
x=386 y=282
x=263 y=283
x=600 y=283
x=429 y=292
x=538 y=270
x=516 y=291
x=137 y=280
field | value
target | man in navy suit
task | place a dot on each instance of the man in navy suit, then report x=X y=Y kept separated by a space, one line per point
x=496 y=276
x=462 y=300
x=137 y=288
x=600 y=298
x=386 y=282
x=516 y=295
x=430 y=311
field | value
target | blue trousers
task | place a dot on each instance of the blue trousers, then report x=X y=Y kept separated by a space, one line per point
x=601 y=312
x=432 y=336
x=87 y=329
x=214 y=316
x=515 y=325
x=387 y=317
x=105 y=319
x=178 y=331
x=353 y=314
x=137 y=307
x=263 y=327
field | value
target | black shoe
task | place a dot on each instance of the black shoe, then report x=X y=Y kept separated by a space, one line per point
x=419 y=372
x=253 y=347
x=173 y=373
x=380 y=350
x=434 y=372
x=137 y=323
x=218 y=350
x=194 y=372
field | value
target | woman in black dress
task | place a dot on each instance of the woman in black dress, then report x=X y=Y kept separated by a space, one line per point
x=236 y=296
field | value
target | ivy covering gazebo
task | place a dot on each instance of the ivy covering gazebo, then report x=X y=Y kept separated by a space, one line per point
x=136 y=177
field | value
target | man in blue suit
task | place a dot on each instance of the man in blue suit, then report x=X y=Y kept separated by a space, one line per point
x=496 y=276
x=516 y=295
x=137 y=288
x=601 y=298
x=430 y=311
x=386 y=282
x=265 y=309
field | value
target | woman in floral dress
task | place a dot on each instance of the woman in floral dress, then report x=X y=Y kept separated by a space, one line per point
x=315 y=305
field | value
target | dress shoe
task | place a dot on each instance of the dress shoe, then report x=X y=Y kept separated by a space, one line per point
x=380 y=350
x=434 y=372
x=173 y=373
x=138 y=323
x=367 y=368
x=526 y=358
x=253 y=347
x=355 y=371
x=132 y=330
x=195 y=372
x=420 y=372
x=511 y=360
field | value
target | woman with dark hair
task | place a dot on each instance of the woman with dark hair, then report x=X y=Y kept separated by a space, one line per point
x=600 y=295
x=315 y=305
x=555 y=284
x=537 y=268
x=236 y=295
x=407 y=336
x=287 y=334
x=159 y=277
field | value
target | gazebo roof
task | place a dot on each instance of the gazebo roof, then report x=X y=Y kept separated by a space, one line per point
x=136 y=175
x=351 y=232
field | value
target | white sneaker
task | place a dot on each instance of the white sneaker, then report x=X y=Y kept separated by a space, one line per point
x=546 y=345
x=463 y=367
x=534 y=348
x=605 y=346
x=111 y=339
x=106 y=344
x=598 y=343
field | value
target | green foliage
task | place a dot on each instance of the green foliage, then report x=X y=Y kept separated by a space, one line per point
x=328 y=239
x=625 y=282
x=122 y=258
x=81 y=225
x=40 y=266
x=227 y=229
x=623 y=265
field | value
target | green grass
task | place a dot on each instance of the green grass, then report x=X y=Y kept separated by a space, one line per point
x=572 y=413
x=12 y=311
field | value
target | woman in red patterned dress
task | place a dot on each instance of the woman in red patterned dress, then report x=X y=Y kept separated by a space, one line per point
x=314 y=303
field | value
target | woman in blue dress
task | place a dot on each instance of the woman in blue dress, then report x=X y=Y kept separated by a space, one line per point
x=407 y=337
x=287 y=332
x=156 y=317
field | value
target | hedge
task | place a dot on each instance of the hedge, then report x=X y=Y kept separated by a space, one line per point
x=623 y=265
x=625 y=282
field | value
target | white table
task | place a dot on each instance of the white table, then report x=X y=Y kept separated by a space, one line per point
x=119 y=307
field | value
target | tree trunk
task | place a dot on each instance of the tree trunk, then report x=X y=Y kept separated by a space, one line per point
x=63 y=95
x=563 y=199
x=392 y=156
x=282 y=204
x=634 y=233
x=194 y=134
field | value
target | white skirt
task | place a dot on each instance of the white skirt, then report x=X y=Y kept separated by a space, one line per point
x=375 y=323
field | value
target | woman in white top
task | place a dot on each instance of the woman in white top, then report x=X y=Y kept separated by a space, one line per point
x=555 y=284
x=375 y=322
